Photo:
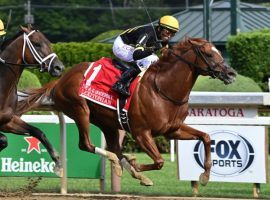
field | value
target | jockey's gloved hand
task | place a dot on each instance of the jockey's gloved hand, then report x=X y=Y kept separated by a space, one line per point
x=157 y=46
x=151 y=49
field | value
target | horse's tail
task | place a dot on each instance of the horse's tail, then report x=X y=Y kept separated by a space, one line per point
x=39 y=98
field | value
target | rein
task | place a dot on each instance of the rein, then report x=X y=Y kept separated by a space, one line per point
x=210 y=69
x=41 y=61
x=177 y=102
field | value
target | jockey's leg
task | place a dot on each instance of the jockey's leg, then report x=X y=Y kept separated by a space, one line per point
x=121 y=86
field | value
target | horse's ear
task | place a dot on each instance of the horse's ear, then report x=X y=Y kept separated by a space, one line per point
x=30 y=27
x=24 y=29
x=186 y=38
x=194 y=42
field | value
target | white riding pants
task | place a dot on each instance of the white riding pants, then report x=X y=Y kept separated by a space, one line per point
x=125 y=53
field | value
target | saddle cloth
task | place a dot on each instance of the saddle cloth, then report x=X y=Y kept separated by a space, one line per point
x=98 y=81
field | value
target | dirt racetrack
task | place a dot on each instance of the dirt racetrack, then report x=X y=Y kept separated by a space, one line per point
x=101 y=197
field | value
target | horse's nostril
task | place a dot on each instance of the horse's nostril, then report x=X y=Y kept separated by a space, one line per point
x=232 y=74
x=58 y=68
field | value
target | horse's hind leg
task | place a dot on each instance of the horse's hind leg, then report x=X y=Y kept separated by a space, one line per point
x=188 y=133
x=18 y=126
x=80 y=113
x=112 y=137
x=3 y=142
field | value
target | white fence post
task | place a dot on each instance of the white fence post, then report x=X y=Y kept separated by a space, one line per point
x=63 y=152
x=172 y=152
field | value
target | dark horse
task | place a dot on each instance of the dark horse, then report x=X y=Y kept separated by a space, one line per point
x=27 y=48
x=159 y=104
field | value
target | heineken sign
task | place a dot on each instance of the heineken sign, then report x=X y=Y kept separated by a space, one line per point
x=26 y=156
x=11 y=165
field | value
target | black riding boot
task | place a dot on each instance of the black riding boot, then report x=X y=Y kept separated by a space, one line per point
x=121 y=86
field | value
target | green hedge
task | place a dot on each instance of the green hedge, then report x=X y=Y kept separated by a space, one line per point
x=28 y=80
x=249 y=55
x=74 y=52
x=241 y=84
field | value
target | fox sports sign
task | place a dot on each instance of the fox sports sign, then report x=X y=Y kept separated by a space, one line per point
x=238 y=154
x=231 y=153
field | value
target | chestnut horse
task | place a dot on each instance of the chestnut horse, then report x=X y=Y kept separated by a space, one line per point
x=159 y=104
x=28 y=48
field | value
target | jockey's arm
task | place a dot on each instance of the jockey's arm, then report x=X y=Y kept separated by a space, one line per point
x=140 y=52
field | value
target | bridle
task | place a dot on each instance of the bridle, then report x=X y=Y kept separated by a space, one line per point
x=210 y=69
x=41 y=61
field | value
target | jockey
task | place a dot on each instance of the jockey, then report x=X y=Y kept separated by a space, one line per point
x=2 y=32
x=137 y=46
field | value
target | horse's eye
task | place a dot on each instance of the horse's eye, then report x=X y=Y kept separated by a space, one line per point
x=209 y=55
x=36 y=44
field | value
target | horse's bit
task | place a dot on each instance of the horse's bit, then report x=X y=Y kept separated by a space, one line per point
x=38 y=58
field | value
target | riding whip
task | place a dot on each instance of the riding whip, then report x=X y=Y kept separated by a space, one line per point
x=150 y=20
x=8 y=21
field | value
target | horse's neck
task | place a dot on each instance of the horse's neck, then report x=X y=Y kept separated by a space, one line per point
x=10 y=74
x=13 y=52
x=177 y=80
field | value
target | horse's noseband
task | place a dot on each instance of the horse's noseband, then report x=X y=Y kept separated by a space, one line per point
x=210 y=66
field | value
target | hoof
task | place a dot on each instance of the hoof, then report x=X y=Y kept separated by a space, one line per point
x=130 y=157
x=117 y=169
x=115 y=163
x=146 y=181
x=195 y=194
x=204 y=179
x=59 y=171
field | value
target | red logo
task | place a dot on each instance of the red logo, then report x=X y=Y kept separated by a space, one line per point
x=33 y=144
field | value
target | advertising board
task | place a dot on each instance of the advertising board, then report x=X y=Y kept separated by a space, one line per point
x=239 y=154
x=26 y=156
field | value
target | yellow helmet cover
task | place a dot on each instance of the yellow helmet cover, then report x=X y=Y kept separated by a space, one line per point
x=2 y=27
x=169 y=22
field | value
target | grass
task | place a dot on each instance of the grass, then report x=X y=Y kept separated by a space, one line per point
x=165 y=184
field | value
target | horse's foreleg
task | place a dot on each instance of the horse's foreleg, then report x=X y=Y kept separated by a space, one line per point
x=147 y=143
x=188 y=133
x=18 y=126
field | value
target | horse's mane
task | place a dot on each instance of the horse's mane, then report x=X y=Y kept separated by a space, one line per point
x=186 y=43
x=9 y=40
x=182 y=46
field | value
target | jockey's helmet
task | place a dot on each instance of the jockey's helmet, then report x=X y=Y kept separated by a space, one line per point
x=2 y=27
x=169 y=22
